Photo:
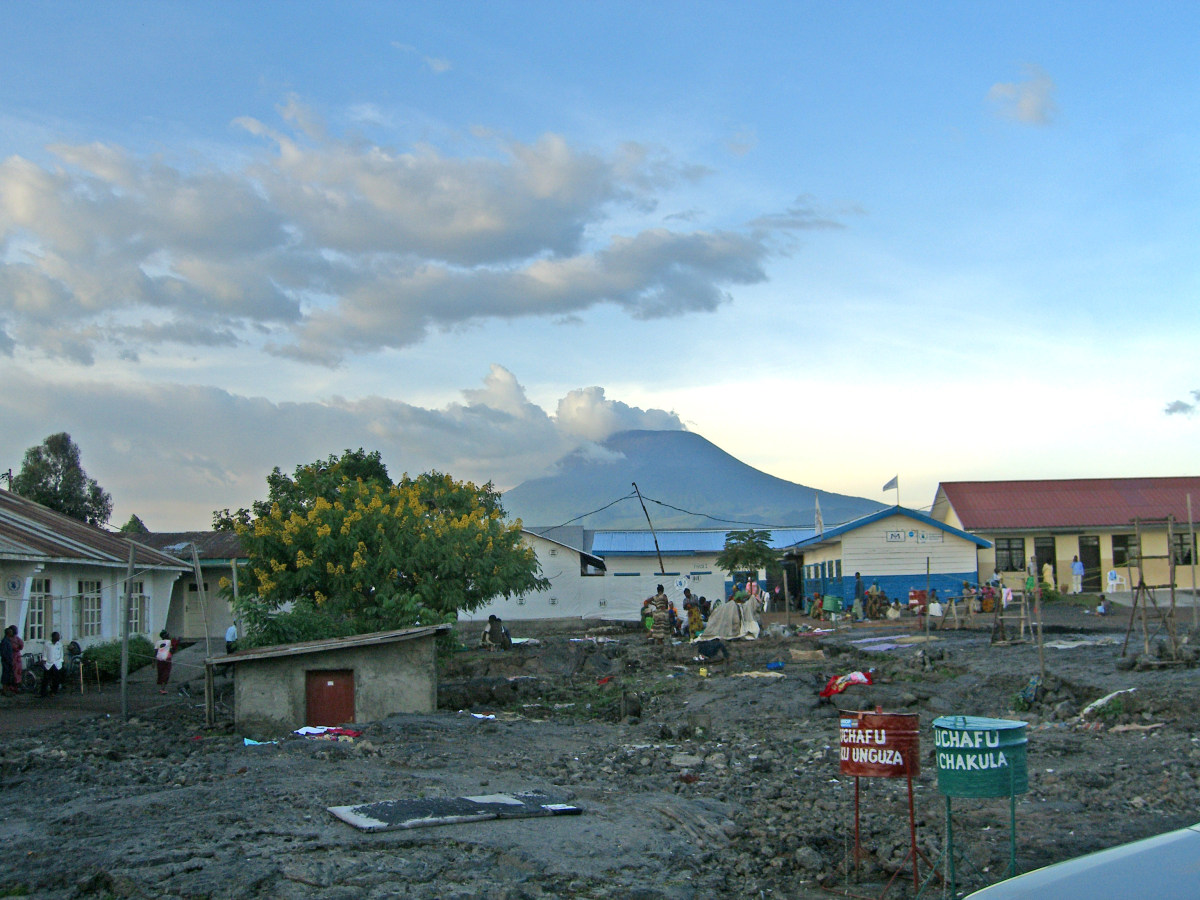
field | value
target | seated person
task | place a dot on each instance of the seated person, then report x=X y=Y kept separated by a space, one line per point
x=1102 y=607
x=712 y=650
x=893 y=611
x=495 y=636
x=705 y=607
x=673 y=620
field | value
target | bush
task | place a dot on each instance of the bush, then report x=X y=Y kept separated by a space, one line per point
x=107 y=656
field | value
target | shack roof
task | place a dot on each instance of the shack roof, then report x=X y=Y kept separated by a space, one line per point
x=1067 y=503
x=371 y=639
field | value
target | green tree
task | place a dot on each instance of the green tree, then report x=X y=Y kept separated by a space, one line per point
x=134 y=526
x=226 y=520
x=748 y=551
x=52 y=475
x=370 y=555
x=298 y=492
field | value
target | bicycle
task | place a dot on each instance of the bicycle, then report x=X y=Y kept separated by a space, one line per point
x=35 y=672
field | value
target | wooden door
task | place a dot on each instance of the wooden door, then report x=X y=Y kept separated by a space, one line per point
x=1089 y=555
x=329 y=696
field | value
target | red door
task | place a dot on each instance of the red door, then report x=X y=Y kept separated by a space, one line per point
x=329 y=696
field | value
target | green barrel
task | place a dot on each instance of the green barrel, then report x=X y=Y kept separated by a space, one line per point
x=980 y=757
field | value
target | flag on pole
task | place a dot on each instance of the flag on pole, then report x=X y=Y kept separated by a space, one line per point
x=817 y=523
x=893 y=485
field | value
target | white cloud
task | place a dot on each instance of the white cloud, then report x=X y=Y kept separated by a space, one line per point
x=1030 y=101
x=321 y=246
x=587 y=413
x=202 y=448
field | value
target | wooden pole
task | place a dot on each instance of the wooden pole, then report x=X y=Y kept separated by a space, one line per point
x=661 y=568
x=1192 y=545
x=125 y=635
x=203 y=599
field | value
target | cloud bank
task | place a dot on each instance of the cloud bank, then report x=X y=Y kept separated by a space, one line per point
x=192 y=455
x=321 y=245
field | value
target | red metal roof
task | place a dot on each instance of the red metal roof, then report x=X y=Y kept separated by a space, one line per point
x=1069 y=503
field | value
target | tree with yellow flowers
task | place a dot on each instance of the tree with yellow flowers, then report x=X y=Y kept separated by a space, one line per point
x=363 y=555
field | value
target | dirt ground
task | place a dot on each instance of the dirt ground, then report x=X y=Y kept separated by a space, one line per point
x=726 y=785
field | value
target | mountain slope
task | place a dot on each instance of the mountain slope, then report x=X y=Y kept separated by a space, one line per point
x=677 y=468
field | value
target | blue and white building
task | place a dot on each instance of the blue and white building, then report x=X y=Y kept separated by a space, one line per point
x=899 y=549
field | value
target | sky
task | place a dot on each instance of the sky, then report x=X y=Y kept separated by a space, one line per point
x=841 y=240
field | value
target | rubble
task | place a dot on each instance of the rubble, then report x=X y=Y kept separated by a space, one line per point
x=691 y=787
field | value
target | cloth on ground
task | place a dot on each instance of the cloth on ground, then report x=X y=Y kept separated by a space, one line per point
x=839 y=683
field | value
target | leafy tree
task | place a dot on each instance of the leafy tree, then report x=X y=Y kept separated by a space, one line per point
x=224 y=520
x=298 y=492
x=748 y=551
x=134 y=526
x=369 y=555
x=51 y=475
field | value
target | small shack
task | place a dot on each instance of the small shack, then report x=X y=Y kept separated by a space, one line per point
x=361 y=678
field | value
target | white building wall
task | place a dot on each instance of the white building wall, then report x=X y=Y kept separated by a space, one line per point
x=616 y=594
x=900 y=546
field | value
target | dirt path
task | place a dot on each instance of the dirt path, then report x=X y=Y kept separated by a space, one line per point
x=721 y=786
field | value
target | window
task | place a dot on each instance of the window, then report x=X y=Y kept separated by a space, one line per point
x=1010 y=554
x=89 y=608
x=139 y=609
x=554 y=551
x=1125 y=551
x=1183 y=548
x=41 y=606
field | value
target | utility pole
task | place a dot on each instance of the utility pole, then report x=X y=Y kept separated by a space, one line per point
x=661 y=568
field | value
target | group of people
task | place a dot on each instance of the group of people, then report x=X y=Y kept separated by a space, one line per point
x=12 y=661
x=663 y=620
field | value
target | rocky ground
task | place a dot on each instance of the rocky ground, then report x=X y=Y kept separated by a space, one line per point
x=691 y=787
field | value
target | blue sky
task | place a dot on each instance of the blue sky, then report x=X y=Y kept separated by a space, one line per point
x=839 y=240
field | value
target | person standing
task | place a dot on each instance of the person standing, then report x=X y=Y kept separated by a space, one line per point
x=659 y=604
x=1076 y=576
x=18 y=661
x=53 y=654
x=6 y=661
x=231 y=638
x=162 y=660
x=1048 y=574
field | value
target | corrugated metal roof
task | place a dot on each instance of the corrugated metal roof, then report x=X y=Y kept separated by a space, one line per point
x=30 y=531
x=1068 y=503
x=339 y=643
x=210 y=545
x=681 y=543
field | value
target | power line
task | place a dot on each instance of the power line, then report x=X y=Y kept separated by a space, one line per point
x=628 y=496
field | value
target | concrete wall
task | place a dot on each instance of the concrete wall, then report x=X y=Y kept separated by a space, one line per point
x=397 y=677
